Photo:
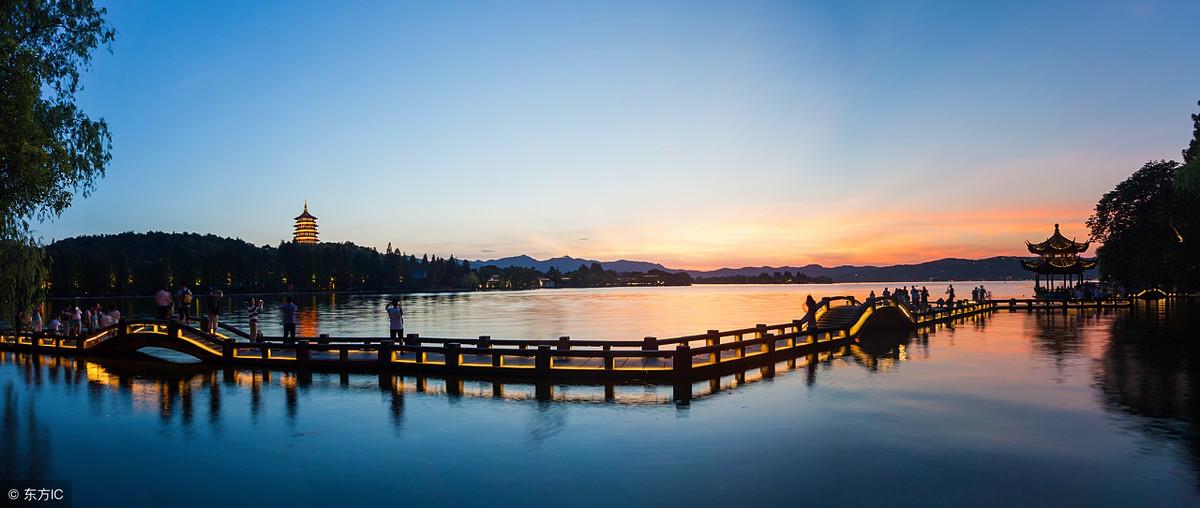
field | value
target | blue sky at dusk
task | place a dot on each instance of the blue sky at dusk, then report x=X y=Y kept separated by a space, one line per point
x=696 y=134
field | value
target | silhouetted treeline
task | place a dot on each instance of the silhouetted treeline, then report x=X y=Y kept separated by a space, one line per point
x=140 y=263
x=765 y=278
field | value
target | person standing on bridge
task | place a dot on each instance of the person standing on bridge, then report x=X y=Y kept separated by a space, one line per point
x=162 y=304
x=96 y=311
x=76 y=320
x=950 y=296
x=184 y=295
x=289 y=318
x=810 y=304
x=106 y=319
x=53 y=326
x=924 y=297
x=253 y=309
x=395 y=319
x=37 y=317
x=915 y=296
x=213 y=302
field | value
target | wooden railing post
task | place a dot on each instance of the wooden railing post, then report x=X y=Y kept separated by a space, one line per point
x=541 y=361
x=650 y=344
x=770 y=342
x=227 y=350
x=303 y=354
x=415 y=340
x=453 y=354
x=712 y=340
x=172 y=328
x=485 y=342
x=682 y=361
x=386 y=348
x=760 y=331
x=564 y=343
x=608 y=357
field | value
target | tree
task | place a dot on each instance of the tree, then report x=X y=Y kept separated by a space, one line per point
x=49 y=149
x=1133 y=221
x=25 y=267
x=1186 y=221
x=1192 y=152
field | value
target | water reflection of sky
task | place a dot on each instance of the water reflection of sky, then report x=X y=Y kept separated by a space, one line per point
x=1010 y=409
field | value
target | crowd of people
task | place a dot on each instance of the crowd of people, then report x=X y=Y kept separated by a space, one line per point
x=74 y=321
x=71 y=320
x=918 y=298
x=179 y=304
x=1085 y=291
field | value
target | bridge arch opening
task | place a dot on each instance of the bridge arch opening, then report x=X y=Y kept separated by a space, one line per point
x=887 y=321
x=167 y=355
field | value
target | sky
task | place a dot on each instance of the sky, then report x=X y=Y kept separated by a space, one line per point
x=695 y=134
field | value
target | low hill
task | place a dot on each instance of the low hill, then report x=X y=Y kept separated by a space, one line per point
x=993 y=268
x=568 y=263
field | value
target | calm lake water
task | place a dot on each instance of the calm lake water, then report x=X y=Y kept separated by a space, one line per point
x=601 y=313
x=1093 y=408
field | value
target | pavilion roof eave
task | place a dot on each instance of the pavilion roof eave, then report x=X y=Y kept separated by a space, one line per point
x=1057 y=243
x=1042 y=267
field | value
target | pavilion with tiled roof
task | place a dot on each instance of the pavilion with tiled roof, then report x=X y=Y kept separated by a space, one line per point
x=1058 y=256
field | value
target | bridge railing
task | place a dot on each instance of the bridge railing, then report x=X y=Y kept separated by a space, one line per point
x=673 y=356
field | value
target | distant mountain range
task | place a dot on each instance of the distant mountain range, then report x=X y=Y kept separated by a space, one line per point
x=568 y=264
x=993 y=268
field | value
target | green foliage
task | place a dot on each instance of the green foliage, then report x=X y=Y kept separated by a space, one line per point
x=1192 y=152
x=1186 y=220
x=25 y=267
x=1135 y=223
x=49 y=149
x=139 y=263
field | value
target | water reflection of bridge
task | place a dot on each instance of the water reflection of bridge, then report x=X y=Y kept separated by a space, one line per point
x=171 y=389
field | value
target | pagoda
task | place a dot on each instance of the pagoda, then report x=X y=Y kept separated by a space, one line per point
x=1058 y=256
x=305 y=230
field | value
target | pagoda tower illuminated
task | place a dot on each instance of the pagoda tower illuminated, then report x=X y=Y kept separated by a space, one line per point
x=306 y=227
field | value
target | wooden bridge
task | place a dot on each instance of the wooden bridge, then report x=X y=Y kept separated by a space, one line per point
x=835 y=320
